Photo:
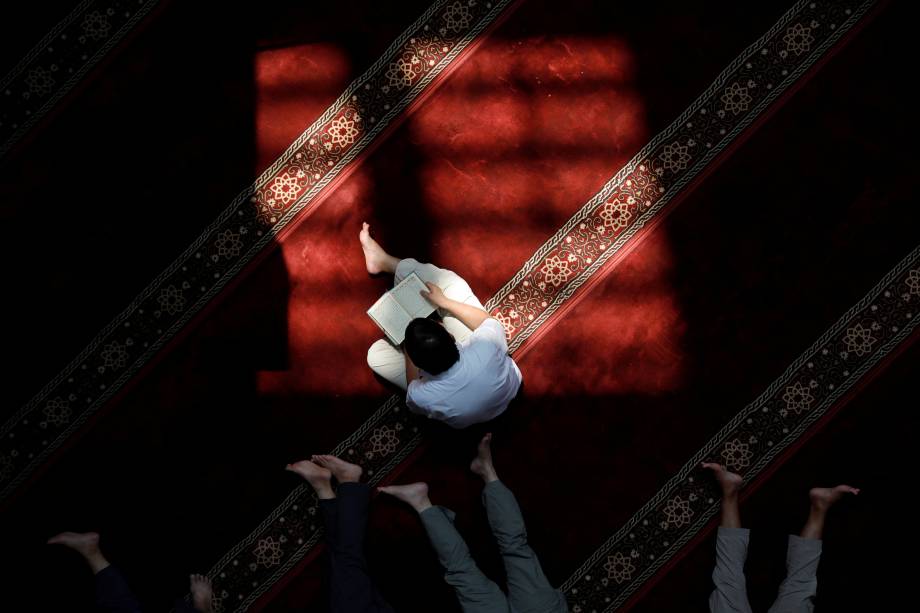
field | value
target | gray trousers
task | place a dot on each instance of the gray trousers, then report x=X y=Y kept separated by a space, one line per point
x=796 y=593
x=529 y=591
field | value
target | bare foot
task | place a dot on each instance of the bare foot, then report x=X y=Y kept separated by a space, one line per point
x=730 y=482
x=343 y=471
x=413 y=494
x=375 y=258
x=317 y=476
x=482 y=463
x=86 y=543
x=202 y=592
x=822 y=498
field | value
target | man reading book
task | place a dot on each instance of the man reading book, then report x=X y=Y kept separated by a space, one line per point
x=458 y=370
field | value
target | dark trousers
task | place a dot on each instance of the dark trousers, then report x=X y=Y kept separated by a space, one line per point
x=114 y=596
x=350 y=586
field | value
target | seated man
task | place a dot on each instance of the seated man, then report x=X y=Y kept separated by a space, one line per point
x=458 y=372
x=112 y=592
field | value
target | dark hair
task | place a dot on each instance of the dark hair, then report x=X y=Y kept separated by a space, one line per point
x=430 y=346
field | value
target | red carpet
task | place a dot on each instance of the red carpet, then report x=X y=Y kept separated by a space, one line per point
x=626 y=386
x=154 y=316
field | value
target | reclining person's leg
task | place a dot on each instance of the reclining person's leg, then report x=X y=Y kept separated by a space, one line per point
x=730 y=593
x=529 y=591
x=799 y=588
x=476 y=592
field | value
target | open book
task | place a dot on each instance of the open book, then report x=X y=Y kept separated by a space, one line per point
x=399 y=306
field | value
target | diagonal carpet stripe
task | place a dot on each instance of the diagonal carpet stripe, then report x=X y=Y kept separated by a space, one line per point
x=60 y=59
x=604 y=226
x=243 y=231
x=870 y=331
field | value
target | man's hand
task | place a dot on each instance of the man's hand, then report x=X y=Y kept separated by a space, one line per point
x=434 y=295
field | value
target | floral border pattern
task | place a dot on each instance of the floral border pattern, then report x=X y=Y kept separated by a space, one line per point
x=674 y=158
x=865 y=335
x=563 y=264
x=63 y=57
x=242 y=231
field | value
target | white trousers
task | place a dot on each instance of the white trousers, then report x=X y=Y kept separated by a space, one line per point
x=387 y=360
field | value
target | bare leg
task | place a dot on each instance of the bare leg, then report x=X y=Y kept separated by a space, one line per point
x=375 y=258
x=822 y=499
x=202 y=592
x=318 y=477
x=731 y=485
x=86 y=544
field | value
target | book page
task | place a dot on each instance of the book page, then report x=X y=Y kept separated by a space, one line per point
x=391 y=317
x=407 y=294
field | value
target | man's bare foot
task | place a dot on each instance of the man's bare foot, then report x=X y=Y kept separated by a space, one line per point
x=729 y=482
x=413 y=494
x=822 y=498
x=317 y=476
x=482 y=463
x=343 y=471
x=84 y=543
x=202 y=593
x=375 y=258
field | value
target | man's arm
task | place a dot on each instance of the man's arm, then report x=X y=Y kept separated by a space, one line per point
x=470 y=316
x=411 y=369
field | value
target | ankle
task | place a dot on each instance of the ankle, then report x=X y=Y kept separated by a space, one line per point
x=97 y=562
x=422 y=505
x=323 y=490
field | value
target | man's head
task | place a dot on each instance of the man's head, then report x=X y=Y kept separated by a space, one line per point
x=430 y=346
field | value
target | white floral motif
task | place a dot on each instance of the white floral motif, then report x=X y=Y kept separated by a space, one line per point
x=6 y=468
x=678 y=512
x=457 y=16
x=343 y=131
x=859 y=340
x=736 y=99
x=798 y=39
x=96 y=25
x=619 y=567
x=284 y=188
x=57 y=412
x=114 y=355
x=384 y=441
x=555 y=270
x=400 y=72
x=171 y=300
x=228 y=244
x=736 y=455
x=268 y=552
x=615 y=213
x=40 y=81
x=675 y=157
x=913 y=282
x=798 y=398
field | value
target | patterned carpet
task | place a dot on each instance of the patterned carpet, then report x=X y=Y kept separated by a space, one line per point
x=698 y=233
